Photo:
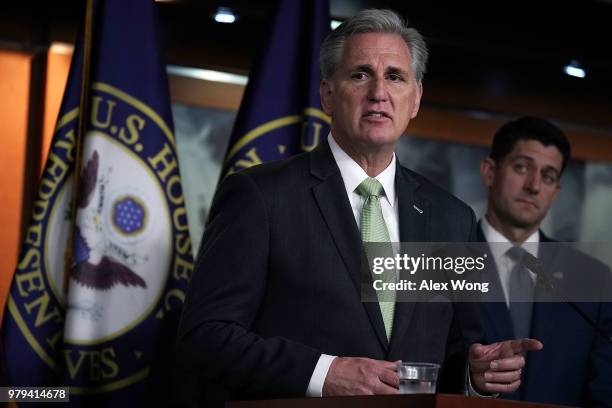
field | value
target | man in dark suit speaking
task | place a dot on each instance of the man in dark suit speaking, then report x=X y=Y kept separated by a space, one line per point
x=274 y=306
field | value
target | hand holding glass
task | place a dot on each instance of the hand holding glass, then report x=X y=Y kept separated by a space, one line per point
x=417 y=378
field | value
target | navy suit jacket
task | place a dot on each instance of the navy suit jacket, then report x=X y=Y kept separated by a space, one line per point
x=575 y=366
x=277 y=283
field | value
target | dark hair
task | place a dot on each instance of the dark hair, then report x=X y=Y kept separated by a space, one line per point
x=373 y=21
x=529 y=128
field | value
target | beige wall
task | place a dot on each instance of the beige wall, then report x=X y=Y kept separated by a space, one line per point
x=20 y=108
x=58 y=65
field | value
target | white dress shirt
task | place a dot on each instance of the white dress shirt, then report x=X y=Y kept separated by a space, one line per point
x=503 y=262
x=352 y=175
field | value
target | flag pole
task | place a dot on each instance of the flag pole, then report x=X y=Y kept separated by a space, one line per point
x=80 y=136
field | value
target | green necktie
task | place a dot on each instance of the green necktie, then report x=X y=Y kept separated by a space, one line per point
x=373 y=229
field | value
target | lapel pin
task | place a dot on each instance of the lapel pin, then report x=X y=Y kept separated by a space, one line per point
x=417 y=208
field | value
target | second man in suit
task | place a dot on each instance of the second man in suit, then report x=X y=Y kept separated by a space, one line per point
x=522 y=174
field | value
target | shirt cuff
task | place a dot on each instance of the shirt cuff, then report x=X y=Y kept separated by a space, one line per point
x=471 y=392
x=315 y=386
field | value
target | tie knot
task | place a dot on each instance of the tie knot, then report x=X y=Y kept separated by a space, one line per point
x=516 y=253
x=369 y=187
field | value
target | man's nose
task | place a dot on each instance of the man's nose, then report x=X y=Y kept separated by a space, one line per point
x=378 y=91
x=533 y=182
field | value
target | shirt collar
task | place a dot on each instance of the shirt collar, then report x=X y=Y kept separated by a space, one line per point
x=504 y=244
x=353 y=174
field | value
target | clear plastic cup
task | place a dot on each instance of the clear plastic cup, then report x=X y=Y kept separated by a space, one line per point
x=417 y=378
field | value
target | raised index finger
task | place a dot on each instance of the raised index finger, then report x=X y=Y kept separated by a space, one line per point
x=522 y=345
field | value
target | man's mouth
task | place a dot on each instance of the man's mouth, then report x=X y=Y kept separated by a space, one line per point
x=524 y=201
x=377 y=114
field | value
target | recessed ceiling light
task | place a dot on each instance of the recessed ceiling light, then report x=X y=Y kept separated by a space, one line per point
x=61 y=48
x=225 y=15
x=574 y=69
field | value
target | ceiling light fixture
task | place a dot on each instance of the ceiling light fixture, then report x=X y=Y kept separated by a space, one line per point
x=207 y=75
x=574 y=69
x=225 y=15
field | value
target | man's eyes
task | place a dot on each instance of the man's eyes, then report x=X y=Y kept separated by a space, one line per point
x=520 y=167
x=549 y=178
x=359 y=76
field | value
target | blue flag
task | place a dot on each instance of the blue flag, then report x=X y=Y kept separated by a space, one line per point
x=280 y=114
x=96 y=325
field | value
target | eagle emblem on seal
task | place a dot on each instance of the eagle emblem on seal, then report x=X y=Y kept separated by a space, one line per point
x=97 y=268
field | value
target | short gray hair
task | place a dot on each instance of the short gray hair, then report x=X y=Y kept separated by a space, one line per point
x=372 y=21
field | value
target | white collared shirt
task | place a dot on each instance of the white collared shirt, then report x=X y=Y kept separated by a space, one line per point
x=352 y=175
x=503 y=262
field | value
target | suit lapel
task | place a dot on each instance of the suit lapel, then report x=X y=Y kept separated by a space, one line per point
x=544 y=319
x=542 y=326
x=413 y=209
x=496 y=316
x=496 y=319
x=336 y=211
x=413 y=227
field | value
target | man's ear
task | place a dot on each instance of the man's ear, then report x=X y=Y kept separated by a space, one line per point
x=325 y=92
x=417 y=100
x=487 y=171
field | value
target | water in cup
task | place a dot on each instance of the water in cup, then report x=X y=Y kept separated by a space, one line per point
x=417 y=378
x=417 y=387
